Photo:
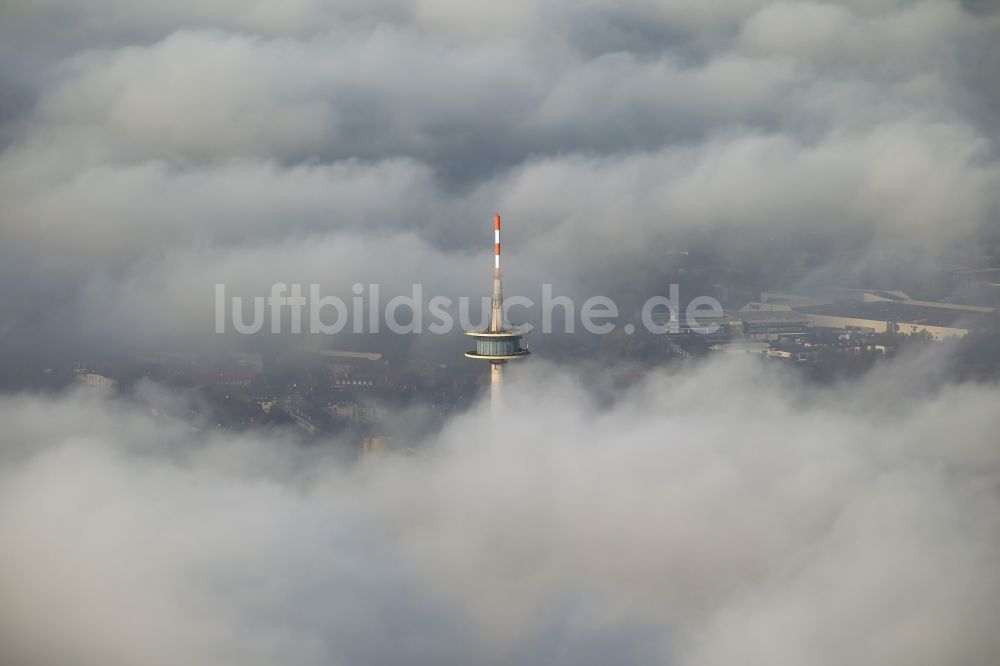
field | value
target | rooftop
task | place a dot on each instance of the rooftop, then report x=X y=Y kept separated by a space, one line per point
x=906 y=313
x=770 y=315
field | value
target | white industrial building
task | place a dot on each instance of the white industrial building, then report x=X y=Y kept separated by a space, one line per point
x=879 y=311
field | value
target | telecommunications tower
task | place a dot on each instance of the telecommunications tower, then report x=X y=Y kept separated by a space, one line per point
x=500 y=342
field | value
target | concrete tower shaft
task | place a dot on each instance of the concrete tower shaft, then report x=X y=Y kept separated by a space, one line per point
x=496 y=388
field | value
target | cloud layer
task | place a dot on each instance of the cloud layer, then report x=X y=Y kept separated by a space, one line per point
x=726 y=514
x=137 y=138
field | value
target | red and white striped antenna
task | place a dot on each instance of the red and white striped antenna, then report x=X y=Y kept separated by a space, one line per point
x=496 y=318
x=496 y=239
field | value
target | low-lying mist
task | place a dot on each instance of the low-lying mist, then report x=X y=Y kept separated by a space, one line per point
x=729 y=514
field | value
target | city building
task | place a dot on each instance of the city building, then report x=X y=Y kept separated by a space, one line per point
x=885 y=311
x=95 y=380
x=708 y=329
x=767 y=323
x=894 y=318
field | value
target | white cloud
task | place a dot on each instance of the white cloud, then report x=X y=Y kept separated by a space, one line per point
x=729 y=513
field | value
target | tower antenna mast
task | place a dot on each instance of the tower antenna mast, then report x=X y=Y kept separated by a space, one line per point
x=500 y=342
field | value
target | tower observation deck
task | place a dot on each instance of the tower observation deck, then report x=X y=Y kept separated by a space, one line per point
x=500 y=342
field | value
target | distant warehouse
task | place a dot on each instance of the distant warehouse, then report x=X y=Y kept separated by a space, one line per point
x=891 y=317
x=757 y=324
x=880 y=311
x=771 y=324
x=787 y=317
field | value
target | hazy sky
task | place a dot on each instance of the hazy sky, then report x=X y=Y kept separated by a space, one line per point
x=150 y=150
